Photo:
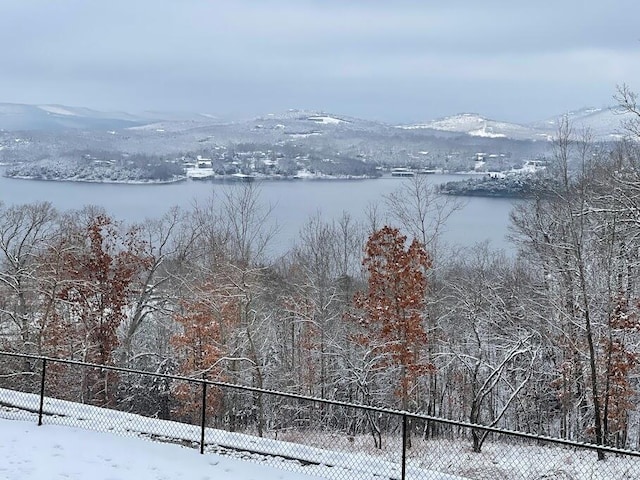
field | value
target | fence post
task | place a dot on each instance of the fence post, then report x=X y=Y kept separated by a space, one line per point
x=204 y=413
x=42 y=379
x=403 y=474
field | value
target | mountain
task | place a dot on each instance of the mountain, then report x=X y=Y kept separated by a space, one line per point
x=479 y=126
x=15 y=117
x=52 y=117
x=605 y=123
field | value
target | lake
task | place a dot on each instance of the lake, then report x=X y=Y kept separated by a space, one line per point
x=295 y=201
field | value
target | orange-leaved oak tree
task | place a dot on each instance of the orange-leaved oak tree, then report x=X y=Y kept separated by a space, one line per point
x=390 y=311
x=621 y=360
x=204 y=323
x=99 y=264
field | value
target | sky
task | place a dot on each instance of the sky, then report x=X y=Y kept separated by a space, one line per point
x=396 y=61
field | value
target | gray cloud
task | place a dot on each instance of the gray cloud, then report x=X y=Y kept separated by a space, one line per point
x=399 y=61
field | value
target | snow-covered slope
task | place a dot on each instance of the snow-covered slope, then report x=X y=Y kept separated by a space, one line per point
x=52 y=452
x=110 y=445
x=14 y=116
x=604 y=123
x=477 y=126
x=321 y=462
x=326 y=119
x=296 y=124
x=300 y=118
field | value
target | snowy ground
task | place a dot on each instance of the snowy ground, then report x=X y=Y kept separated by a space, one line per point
x=327 y=463
x=65 y=447
x=53 y=452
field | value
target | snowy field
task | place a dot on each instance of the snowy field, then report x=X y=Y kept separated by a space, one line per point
x=53 y=452
x=77 y=439
x=317 y=462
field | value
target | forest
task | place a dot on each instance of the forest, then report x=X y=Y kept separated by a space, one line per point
x=544 y=340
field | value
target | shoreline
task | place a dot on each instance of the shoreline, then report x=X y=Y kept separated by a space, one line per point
x=222 y=178
x=234 y=178
x=109 y=182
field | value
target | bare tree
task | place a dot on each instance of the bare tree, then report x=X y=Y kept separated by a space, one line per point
x=247 y=227
x=248 y=222
x=26 y=232
x=558 y=228
x=628 y=105
x=492 y=347
x=421 y=210
x=169 y=243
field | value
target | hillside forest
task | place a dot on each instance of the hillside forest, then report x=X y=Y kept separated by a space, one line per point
x=379 y=312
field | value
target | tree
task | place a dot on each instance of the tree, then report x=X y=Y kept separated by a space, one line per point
x=390 y=309
x=235 y=236
x=419 y=208
x=203 y=321
x=577 y=234
x=628 y=105
x=491 y=344
x=168 y=246
x=620 y=351
x=321 y=286
x=247 y=222
x=99 y=264
x=422 y=212
x=26 y=232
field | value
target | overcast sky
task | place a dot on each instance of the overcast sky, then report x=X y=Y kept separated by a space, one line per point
x=395 y=60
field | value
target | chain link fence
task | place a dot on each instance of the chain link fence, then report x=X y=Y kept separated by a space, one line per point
x=327 y=439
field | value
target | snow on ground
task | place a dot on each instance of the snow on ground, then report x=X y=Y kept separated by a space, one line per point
x=326 y=120
x=484 y=132
x=304 y=135
x=476 y=126
x=57 y=110
x=323 y=462
x=52 y=452
x=200 y=172
x=78 y=442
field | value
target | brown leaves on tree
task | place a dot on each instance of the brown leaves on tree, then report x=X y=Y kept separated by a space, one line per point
x=391 y=308
x=621 y=361
x=204 y=323
x=97 y=265
x=100 y=267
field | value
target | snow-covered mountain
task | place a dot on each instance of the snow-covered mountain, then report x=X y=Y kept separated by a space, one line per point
x=14 y=116
x=310 y=118
x=605 y=123
x=51 y=117
x=477 y=126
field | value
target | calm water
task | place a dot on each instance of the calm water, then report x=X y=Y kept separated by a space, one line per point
x=479 y=220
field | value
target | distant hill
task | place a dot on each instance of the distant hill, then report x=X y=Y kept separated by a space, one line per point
x=50 y=117
x=17 y=117
x=476 y=125
x=605 y=123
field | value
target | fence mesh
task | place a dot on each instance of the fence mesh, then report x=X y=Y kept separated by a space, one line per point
x=312 y=436
x=20 y=376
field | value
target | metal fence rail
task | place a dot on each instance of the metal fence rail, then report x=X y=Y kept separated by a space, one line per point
x=327 y=438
